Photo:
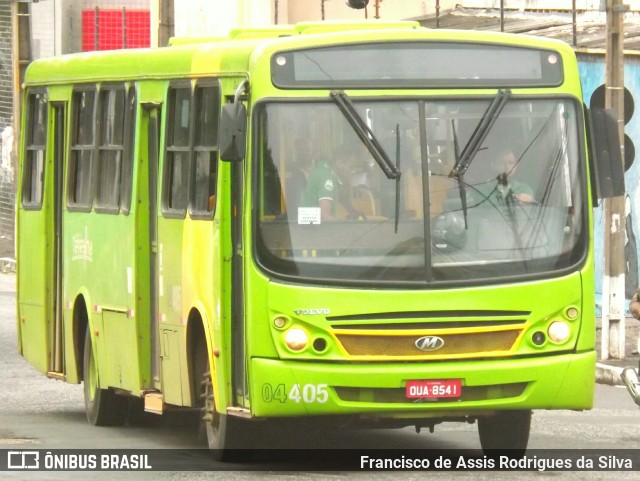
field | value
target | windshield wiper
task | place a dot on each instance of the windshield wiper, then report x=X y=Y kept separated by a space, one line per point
x=464 y=159
x=480 y=133
x=366 y=135
x=462 y=186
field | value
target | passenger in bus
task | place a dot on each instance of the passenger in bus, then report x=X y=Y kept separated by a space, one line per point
x=329 y=186
x=299 y=170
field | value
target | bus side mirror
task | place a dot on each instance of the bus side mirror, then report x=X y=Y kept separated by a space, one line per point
x=233 y=132
x=606 y=164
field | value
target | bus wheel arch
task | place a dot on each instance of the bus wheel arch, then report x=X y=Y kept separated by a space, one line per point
x=103 y=406
x=80 y=327
x=197 y=354
x=222 y=433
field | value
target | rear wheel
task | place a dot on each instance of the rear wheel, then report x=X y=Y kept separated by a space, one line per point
x=104 y=407
x=506 y=431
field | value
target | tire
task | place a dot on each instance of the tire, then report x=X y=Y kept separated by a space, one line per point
x=223 y=434
x=103 y=407
x=507 y=431
x=630 y=379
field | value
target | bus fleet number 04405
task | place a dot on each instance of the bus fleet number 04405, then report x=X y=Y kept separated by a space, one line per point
x=306 y=393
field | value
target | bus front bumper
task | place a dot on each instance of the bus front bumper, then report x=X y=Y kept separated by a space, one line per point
x=291 y=388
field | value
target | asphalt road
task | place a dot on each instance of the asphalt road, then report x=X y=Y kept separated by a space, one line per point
x=39 y=413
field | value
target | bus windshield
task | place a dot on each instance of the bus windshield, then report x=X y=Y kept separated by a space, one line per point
x=326 y=211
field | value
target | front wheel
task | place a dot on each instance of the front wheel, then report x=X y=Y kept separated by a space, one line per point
x=104 y=407
x=506 y=431
x=225 y=435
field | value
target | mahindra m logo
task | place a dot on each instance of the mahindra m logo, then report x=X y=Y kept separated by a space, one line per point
x=429 y=343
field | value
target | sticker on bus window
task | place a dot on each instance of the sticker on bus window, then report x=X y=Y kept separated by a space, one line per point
x=309 y=215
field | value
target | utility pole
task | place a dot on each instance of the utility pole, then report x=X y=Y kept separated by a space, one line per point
x=613 y=295
x=166 y=22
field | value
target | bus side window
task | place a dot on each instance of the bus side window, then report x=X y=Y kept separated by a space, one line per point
x=82 y=150
x=110 y=148
x=126 y=176
x=35 y=149
x=205 y=168
x=117 y=110
x=178 y=151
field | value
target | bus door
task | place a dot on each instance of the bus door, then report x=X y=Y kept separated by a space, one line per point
x=151 y=126
x=239 y=379
x=39 y=241
x=56 y=361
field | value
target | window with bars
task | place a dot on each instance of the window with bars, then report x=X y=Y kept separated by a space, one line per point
x=35 y=151
x=115 y=149
x=190 y=172
x=207 y=107
x=79 y=179
x=102 y=149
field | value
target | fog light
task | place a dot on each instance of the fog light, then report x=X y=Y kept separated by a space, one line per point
x=280 y=322
x=559 y=331
x=296 y=339
x=538 y=338
x=319 y=345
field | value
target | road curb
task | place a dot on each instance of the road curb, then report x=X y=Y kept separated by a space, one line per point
x=608 y=375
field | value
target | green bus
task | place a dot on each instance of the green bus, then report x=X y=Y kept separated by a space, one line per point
x=373 y=221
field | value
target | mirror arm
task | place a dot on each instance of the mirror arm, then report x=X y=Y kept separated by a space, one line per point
x=241 y=91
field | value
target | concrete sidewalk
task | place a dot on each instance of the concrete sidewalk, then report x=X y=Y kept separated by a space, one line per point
x=608 y=370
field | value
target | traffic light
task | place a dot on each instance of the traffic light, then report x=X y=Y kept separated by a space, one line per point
x=597 y=101
x=357 y=4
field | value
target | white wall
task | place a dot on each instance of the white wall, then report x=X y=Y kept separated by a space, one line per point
x=43 y=32
x=218 y=17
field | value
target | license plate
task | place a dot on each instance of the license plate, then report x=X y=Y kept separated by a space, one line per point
x=441 y=388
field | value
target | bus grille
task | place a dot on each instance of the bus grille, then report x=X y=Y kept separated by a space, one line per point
x=403 y=345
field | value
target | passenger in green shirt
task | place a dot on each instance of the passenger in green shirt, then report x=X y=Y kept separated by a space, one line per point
x=328 y=185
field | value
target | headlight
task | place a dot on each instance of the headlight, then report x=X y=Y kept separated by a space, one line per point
x=559 y=331
x=296 y=339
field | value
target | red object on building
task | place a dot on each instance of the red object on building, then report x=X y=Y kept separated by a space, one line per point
x=104 y=29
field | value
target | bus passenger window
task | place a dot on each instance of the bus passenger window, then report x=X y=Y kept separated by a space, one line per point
x=206 y=109
x=126 y=176
x=35 y=148
x=178 y=153
x=204 y=183
x=82 y=148
x=110 y=150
